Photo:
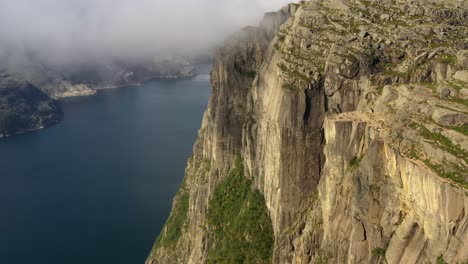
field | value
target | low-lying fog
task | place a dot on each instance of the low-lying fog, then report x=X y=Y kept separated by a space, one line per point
x=82 y=31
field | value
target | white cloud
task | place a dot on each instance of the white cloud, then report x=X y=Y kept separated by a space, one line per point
x=76 y=28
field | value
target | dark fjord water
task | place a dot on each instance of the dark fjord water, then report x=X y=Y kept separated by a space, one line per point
x=98 y=187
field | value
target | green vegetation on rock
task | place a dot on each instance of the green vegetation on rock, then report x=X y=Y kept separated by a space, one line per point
x=380 y=252
x=445 y=169
x=443 y=142
x=449 y=171
x=249 y=74
x=448 y=59
x=440 y=260
x=395 y=73
x=461 y=129
x=354 y=163
x=176 y=222
x=239 y=223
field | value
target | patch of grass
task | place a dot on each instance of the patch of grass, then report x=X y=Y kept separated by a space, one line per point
x=440 y=260
x=395 y=73
x=388 y=65
x=249 y=74
x=241 y=230
x=457 y=85
x=177 y=220
x=459 y=101
x=461 y=129
x=294 y=74
x=448 y=59
x=414 y=153
x=245 y=72
x=449 y=171
x=379 y=252
x=443 y=142
x=430 y=85
x=437 y=45
x=354 y=163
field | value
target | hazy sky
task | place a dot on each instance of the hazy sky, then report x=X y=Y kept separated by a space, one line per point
x=89 y=28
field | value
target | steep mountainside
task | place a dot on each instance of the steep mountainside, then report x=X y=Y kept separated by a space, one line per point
x=337 y=132
x=83 y=79
x=24 y=107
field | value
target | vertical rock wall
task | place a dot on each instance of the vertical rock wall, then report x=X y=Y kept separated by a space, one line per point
x=350 y=118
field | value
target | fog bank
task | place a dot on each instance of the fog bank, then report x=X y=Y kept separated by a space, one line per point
x=81 y=30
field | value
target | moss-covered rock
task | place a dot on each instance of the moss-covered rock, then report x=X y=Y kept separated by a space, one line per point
x=241 y=230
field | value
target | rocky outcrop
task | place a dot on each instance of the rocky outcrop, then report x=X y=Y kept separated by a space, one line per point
x=350 y=118
x=24 y=107
x=59 y=88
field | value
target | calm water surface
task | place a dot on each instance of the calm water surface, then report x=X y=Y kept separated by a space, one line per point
x=98 y=187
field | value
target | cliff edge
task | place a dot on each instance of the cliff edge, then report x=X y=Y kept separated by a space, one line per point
x=337 y=132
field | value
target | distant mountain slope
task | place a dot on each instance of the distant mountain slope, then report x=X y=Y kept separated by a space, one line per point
x=24 y=107
x=82 y=79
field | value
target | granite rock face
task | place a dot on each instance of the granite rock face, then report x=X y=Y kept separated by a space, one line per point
x=24 y=107
x=351 y=119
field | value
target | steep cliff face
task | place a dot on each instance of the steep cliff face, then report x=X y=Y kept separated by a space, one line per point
x=350 y=119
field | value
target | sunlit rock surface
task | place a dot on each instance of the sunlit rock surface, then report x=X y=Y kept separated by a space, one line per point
x=351 y=119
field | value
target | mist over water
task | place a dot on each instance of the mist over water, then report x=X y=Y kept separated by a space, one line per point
x=70 y=31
